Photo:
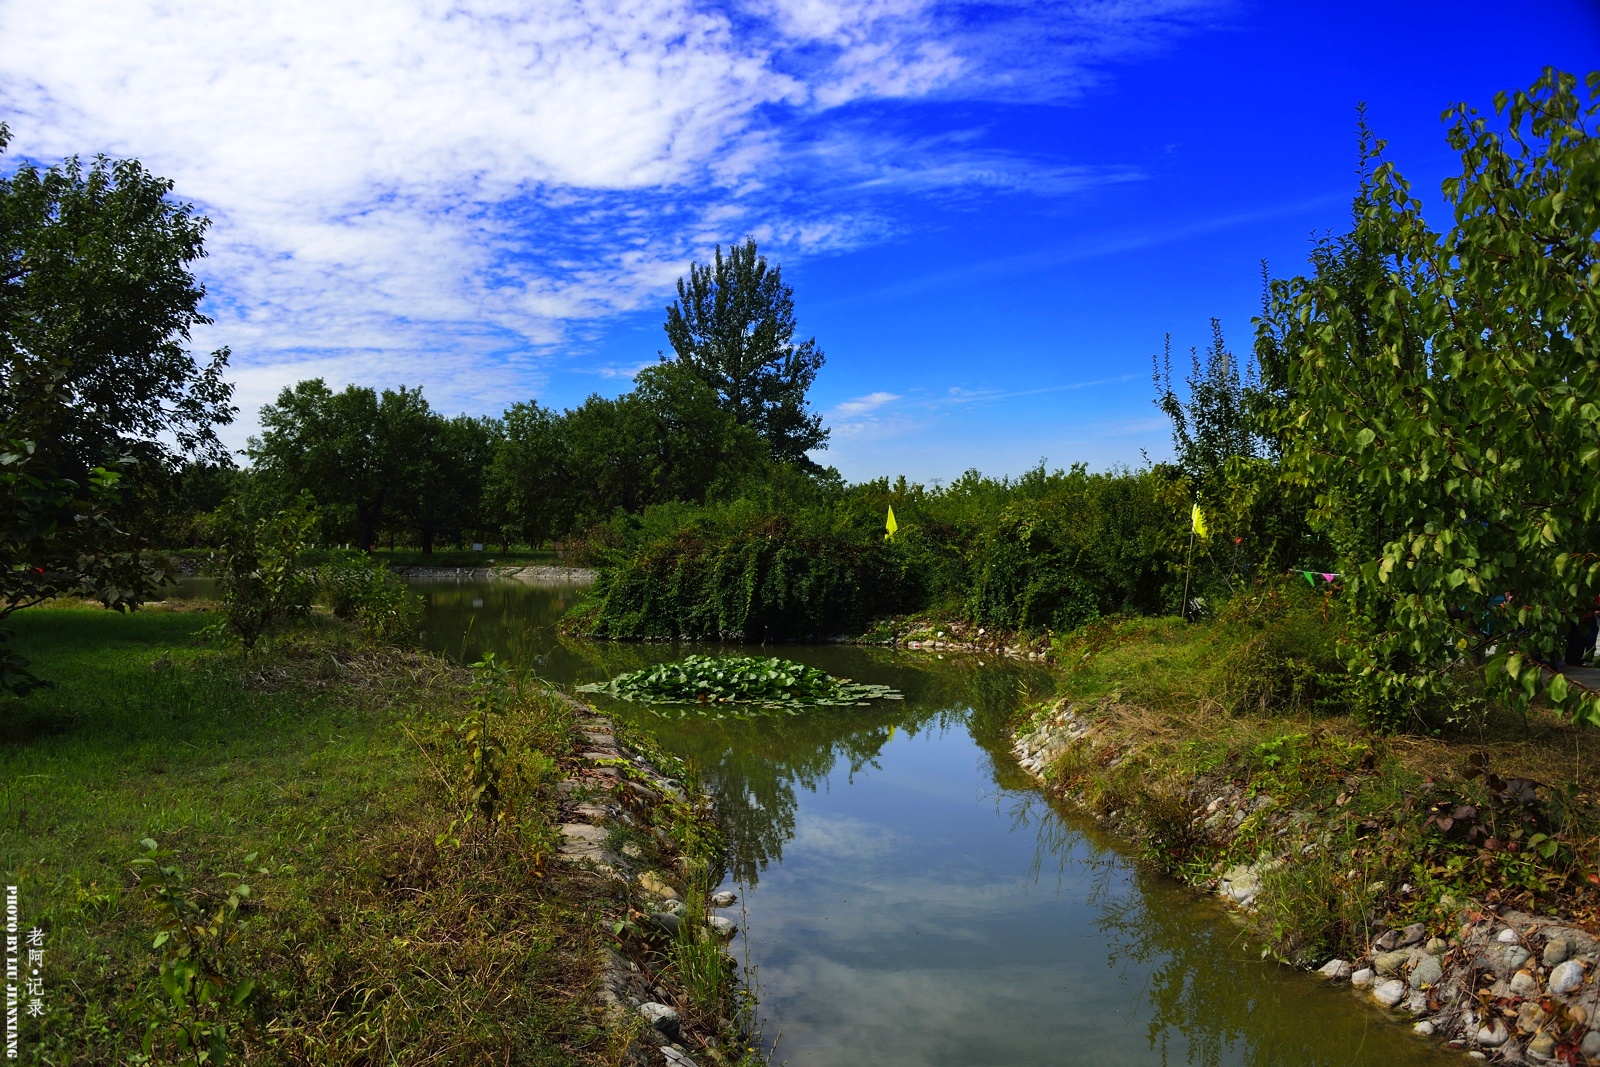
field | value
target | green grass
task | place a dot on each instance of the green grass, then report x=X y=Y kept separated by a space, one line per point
x=1255 y=703
x=368 y=942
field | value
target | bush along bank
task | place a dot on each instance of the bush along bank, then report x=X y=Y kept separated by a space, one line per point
x=1363 y=857
x=667 y=979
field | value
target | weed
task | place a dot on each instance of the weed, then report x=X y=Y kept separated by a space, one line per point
x=199 y=992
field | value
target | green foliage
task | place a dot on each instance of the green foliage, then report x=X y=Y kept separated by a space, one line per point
x=1213 y=426
x=1282 y=656
x=58 y=538
x=261 y=580
x=740 y=572
x=733 y=326
x=729 y=412
x=1070 y=547
x=199 y=991
x=1440 y=405
x=667 y=440
x=527 y=485
x=1226 y=451
x=96 y=305
x=356 y=586
x=767 y=683
x=372 y=461
x=501 y=773
x=486 y=753
x=808 y=557
x=378 y=938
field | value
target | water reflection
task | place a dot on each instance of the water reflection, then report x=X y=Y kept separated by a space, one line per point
x=913 y=900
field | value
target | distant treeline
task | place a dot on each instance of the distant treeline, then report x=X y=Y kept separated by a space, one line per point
x=726 y=411
x=386 y=469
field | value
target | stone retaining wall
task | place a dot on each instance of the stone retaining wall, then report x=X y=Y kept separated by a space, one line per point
x=608 y=828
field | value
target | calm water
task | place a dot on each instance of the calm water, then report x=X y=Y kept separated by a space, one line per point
x=911 y=899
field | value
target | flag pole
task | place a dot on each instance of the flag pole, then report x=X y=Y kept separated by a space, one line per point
x=1188 y=569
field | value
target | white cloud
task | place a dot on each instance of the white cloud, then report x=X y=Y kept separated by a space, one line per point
x=442 y=189
x=861 y=405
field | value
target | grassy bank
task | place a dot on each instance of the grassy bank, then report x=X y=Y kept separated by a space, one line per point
x=334 y=780
x=1228 y=750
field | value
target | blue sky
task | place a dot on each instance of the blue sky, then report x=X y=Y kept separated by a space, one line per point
x=990 y=214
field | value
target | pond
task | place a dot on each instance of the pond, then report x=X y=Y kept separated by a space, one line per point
x=908 y=897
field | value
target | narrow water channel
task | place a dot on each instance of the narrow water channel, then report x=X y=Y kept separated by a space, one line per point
x=910 y=899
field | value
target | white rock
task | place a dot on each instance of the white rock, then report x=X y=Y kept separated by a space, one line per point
x=674 y=1058
x=1390 y=992
x=1566 y=977
x=1335 y=969
x=1507 y=936
x=1360 y=978
x=1524 y=984
x=661 y=1017
x=725 y=899
x=1494 y=1035
x=1425 y=1028
x=1591 y=1044
x=723 y=928
x=1241 y=883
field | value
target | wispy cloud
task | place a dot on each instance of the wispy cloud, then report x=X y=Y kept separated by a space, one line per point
x=448 y=189
x=861 y=405
x=1093 y=248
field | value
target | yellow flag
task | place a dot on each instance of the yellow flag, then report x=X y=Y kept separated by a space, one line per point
x=890 y=525
x=1197 y=520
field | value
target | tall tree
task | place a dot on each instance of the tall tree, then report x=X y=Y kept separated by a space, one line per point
x=611 y=461
x=1441 y=404
x=334 y=445
x=97 y=303
x=529 y=488
x=733 y=323
x=467 y=448
x=700 y=449
x=1213 y=426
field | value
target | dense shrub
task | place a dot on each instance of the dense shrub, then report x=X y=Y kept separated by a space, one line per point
x=357 y=587
x=1281 y=656
x=1044 y=551
x=745 y=573
x=1085 y=546
x=261 y=578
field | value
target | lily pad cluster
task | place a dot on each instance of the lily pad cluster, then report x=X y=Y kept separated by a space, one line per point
x=756 y=682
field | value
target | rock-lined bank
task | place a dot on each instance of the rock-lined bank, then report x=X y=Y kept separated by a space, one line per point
x=955 y=636
x=619 y=817
x=535 y=574
x=1493 y=983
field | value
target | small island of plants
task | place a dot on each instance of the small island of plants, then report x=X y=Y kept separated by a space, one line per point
x=746 y=682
